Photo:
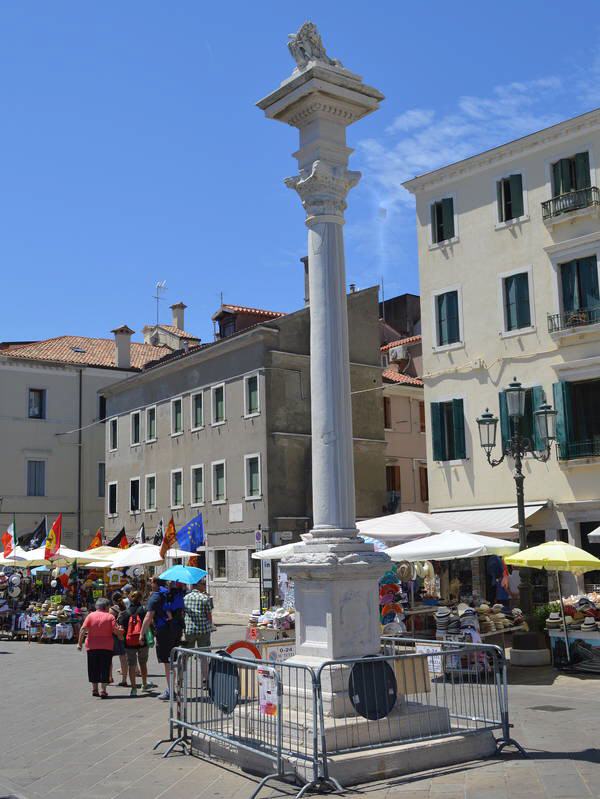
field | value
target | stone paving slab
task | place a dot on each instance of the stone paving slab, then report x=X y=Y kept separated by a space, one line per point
x=58 y=741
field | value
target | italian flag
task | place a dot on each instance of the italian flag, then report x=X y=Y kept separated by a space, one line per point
x=9 y=540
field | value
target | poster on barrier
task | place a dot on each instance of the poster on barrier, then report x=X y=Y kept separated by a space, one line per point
x=434 y=659
x=267 y=692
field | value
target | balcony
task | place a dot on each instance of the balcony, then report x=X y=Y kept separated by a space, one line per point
x=580 y=449
x=567 y=322
x=582 y=201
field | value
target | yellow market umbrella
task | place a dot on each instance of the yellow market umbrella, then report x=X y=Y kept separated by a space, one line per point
x=558 y=557
x=555 y=556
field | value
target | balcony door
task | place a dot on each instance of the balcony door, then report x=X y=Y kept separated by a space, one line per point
x=579 y=283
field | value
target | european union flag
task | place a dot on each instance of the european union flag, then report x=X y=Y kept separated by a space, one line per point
x=191 y=535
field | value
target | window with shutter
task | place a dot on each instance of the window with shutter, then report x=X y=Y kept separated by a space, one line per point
x=442 y=220
x=579 y=284
x=448 y=430
x=448 y=325
x=517 y=313
x=387 y=413
x=458 y=423
x=564 y=417
x=510 y=198
x=571 y=174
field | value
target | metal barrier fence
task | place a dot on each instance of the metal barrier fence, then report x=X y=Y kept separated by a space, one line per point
x=292 y=719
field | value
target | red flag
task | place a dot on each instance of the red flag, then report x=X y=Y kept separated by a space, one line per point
x=8 y=540
x=96 y=540
x=124 y=543
x=170 y=537
x=53 y=538
x=120 y=540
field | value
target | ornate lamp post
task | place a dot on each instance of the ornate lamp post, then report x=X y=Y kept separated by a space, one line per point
x=517 y=446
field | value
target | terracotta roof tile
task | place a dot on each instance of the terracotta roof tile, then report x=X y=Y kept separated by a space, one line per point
x=84 y=351
x=255 y=311
x=177 y=331
x=401 y=342
x=390 y=376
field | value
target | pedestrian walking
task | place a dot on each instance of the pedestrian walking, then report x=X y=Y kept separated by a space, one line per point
x=119 y=646
x=97 y=631
x=198 y=616
x=136 y=646
x=163 y=613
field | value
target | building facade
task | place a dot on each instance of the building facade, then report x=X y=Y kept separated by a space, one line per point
x=51 y=426
x=509 y=247
x=404 y=425
x=224 y=430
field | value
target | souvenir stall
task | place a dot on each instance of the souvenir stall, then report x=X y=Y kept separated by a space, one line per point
x=573 y=628
x=449 y=618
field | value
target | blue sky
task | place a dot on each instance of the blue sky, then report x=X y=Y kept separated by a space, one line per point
x=131 y=150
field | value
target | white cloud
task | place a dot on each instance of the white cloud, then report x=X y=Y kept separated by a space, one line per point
x=411 y=120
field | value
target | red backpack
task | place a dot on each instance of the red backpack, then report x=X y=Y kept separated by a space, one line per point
x=134 y=630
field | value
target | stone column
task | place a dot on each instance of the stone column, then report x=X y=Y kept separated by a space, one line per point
x=335 y=572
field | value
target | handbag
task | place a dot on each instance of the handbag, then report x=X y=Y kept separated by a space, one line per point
x=149 y=638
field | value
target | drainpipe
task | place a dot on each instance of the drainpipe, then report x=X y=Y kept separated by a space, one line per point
x=79 y=459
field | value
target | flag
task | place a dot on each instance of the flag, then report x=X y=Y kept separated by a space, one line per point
x=159 y=534
x=191 y=535
x=35 y=539
x=96 y=540
x=53 y=538
x=120 y=540
x=169 y=538
x=141 y=535
x=9 y=540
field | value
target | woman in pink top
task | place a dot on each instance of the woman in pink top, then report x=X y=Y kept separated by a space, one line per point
x=97 y=630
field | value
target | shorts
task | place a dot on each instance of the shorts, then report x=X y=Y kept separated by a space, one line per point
x=167 y=638
x=136 y=655
x=118 y=646
x=197 y=641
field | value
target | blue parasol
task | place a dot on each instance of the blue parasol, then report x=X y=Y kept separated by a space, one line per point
x=183 y=574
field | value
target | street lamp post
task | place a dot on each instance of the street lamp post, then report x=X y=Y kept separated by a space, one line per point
x=517 y=447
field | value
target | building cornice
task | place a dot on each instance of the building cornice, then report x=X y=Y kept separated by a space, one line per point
x=505 y=152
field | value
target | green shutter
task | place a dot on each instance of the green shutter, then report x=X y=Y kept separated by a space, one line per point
x=564 y=418
x=458 y=418
x=537 y=398
x=437 y=432
x=588 y=282
x=510 y=302
x=505 y=432
x=435 y=211
x=556 y=181
x=582 y=170
x=566 y=184
x=448 y=218
x=570 y=293
x=516 y=195
x=522 y=298
x=452 y=320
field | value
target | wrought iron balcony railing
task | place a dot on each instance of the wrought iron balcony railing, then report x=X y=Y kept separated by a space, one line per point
x=573 y=201
x=576 y=318
x=580 y=449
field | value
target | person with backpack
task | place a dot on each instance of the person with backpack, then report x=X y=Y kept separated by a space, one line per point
x=136 y=646
x=164 y=611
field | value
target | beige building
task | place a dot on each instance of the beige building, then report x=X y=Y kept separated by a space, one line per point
x=509 y=246
x=51 y=431
x=224 y=429
x=404 y=426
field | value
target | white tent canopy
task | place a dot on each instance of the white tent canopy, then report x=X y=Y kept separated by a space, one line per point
x=594 y=536
x=275 y=553
x=144 y=555
x=451 y=545
x=18 y=557
x=411 y=525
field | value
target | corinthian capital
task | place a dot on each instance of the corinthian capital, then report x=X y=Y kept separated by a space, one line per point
x=323 y=190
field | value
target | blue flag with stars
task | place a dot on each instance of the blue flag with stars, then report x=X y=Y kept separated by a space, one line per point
x=191 y=535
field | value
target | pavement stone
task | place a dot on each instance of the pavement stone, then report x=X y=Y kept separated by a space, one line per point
x=57 y=741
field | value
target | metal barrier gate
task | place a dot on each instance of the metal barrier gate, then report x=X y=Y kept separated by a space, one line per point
x=290 y=718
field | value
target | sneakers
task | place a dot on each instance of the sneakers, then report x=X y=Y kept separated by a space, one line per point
x=149 y=686
x=165 y=695
x=133 y=692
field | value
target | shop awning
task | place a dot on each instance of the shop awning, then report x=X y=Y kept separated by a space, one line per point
x=497 y=521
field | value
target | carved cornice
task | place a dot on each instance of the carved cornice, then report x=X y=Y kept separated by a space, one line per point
x=323 y=191
x=520 y=147
x=318 y=107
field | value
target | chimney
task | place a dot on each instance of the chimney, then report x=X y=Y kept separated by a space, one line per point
x=178 y=315
x=352 y=288
x=123 y=336
x=306 y=289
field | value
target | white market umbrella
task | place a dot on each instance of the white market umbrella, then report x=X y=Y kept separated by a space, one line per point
x=406 y=526
x=451 y=545
x=593 y=537
x=17 y=558
x=145 y=555
x=275 y=553
x=64 y=557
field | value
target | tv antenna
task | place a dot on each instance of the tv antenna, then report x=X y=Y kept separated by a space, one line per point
x=161 y=287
